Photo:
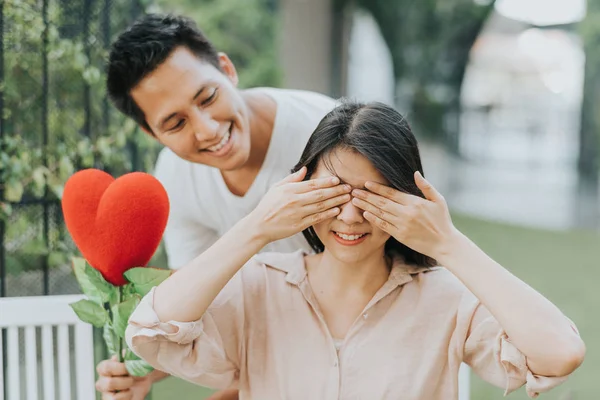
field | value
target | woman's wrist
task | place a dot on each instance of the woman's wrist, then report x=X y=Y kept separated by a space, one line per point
x=450 y=249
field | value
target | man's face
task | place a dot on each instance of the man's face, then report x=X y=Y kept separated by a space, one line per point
x=195 y=110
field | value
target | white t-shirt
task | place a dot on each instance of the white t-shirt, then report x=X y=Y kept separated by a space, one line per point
x=203 y=208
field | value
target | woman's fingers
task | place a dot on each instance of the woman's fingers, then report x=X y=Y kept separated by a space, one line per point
x=315 y=184
x=321 y=195
x=379 y=212
x=313 y=219
x=326 y=204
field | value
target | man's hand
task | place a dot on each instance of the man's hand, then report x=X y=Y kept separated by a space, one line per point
x=115 y=383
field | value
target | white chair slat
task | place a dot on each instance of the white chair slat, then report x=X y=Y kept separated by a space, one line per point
x=13 y=364
x=31 y=363
x=64 y=362
x=48 y=362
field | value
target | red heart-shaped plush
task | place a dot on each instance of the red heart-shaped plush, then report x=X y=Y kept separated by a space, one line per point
x=116 y=224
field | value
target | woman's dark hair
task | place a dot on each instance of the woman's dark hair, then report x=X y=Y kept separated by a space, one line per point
x=145 y=45
x=383 y=136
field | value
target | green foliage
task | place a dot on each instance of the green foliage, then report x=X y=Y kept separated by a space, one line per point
x=92 y=283
x=144 y=279
x=245 y=30
x=121 y=301
x=90 y=312
x=52 y=129
x=430 y=42
x=121 y=313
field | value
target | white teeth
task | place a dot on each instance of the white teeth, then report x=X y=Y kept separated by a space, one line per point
x=350 y=237
x=222 y=143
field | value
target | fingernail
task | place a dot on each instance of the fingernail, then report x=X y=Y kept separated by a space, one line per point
x=335 y=180
x=347 y=187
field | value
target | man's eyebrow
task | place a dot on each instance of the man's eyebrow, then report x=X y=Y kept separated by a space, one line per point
x=168 y=118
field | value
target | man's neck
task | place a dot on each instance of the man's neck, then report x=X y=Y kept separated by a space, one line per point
x=262 y=111
x=261 y=115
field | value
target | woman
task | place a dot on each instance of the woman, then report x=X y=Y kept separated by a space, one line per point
x=368 y=315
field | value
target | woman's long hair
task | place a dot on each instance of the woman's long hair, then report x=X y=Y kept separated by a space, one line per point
x=383 y=136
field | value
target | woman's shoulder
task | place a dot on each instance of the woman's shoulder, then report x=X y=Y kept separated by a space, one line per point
x=438 y=282
x=274 y=266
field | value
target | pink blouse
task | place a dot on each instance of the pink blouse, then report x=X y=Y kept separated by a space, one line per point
x=265 y=334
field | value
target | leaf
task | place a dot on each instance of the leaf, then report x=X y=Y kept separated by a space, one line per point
x=90 y=312
x=128 y=291
x=14 y=191
x=144 y=278
x=65 y=168
x=5 y=210
x=121 y=313
x=138 y=367
x=130 y=355
x=92 y=283
x=56 y=185
x=39 y=181
x=109 y=339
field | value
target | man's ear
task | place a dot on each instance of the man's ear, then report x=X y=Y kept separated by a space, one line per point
x=228 y=68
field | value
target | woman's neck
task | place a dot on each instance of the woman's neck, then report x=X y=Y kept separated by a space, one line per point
x=364 y=276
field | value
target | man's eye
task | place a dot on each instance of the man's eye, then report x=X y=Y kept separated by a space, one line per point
x=178 y=126
x=210 y=98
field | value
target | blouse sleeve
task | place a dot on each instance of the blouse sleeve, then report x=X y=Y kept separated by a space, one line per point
x=490 y=353
x=206 y=352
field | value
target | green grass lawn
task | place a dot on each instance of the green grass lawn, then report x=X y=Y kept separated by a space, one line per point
x=561 y=265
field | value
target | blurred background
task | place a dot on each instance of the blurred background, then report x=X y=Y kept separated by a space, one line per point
x=503 y=96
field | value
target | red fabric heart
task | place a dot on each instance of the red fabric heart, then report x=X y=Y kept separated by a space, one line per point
x=116 y=224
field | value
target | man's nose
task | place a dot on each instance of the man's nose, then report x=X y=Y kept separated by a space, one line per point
x=204 y=126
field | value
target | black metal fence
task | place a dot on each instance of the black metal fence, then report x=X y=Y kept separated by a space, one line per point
x=52 y=56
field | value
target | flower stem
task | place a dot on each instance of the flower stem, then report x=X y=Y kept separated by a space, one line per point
x=119 y=339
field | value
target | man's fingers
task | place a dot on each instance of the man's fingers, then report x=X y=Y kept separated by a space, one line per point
x=111 y=368
x=126 y=395
x=106 y=384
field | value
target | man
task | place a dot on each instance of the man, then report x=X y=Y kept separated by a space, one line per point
x=224 y=147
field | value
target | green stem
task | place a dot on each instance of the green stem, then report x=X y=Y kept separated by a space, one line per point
x=119 y=339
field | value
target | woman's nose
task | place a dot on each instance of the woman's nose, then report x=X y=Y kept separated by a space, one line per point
x=350 y=214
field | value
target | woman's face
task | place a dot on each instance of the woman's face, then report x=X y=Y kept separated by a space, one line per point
x=349 y=237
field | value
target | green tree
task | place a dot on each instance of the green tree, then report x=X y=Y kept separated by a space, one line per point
x=430 y=41
x=245 y=30
x=56 y=117
x=589 y=152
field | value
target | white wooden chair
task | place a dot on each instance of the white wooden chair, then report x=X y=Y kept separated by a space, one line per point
x=464 y=382
x=28 y=317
